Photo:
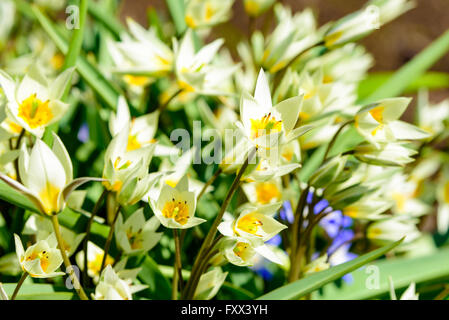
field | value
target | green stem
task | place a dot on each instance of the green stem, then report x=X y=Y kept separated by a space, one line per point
x=88 y=229
x=19 y=285
x=68 y=266
x=443 y=294
x=164 y=106
x=209 y=182
x=109 y=239
x=334 y=138
x=193 y=281
x=177 y=275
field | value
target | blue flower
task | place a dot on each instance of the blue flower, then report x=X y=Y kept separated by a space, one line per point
x=286 y=212
x=83 y=133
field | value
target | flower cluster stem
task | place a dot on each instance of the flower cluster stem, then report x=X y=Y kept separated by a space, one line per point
x=19 y=285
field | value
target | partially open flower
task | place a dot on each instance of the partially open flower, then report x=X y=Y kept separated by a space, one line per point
x=209 y=284
x=94 y=259
x=111 y=287
x=136 y=235
x=46 y=175
x=40 y=260
x=206 y=13
x=175 y=207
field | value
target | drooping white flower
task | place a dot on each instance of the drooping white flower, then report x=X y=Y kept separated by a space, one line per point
x=46 y=176
x=34 y=103
x=94 y=259
x=175 y=207
x=40 y=260
x=111 y=287
x=393 y=229
x=209 y=284
x=136 y=235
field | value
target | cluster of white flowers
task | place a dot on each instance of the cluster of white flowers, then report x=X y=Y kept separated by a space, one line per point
x=284 y=93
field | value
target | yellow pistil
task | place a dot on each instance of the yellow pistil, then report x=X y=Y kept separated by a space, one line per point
x=49 y=198
x=35 y=112
x=139 y=81
x=264 y=126
x=240 y=248
x=177 y=210
x=249 y=224
x=266 y=192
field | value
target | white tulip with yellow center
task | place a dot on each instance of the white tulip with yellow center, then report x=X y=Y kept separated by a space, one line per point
x=209 y=284
x=432 y=117
x=194 y=70
x=140 y=55
x=94 y=258
x=126 y=172
x=40 y=260
x=393 y=229
x=265 y=192
x=379 y=122
x=206 y=13
x=34 y=103
x=175 y=207
x=136 y=235
x=255 y=224
x=386 y=154
x=266 y=125
x=370 y=207
x=46 y=176
x=141 y=129
x=317 y=265
x=41 y=227
x=391 y=9
x=242 y=252
x=255 y=8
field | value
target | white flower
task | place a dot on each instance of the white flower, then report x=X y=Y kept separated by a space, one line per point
x=431 y=117
x=263 y=124
x=111 y=287
x=136 y=235
x=387 y=154
x=443 y=202
x=393 y=229
x=265 y=192
x=141 y=55
x=319 y=264
x=379 y=122
x=255 y=224
x=194 y=70
x=175 y=207
x=94 y=259
x=391 y=9
x=35 y=103
x=46 y=175
x=209 y=284
x=41 y=259
x=206 y=13
x=126 y=172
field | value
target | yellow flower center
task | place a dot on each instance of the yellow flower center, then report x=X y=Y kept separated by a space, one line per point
x=137 y=80
x=190 y=22
x=400 y=201
x=49 y=198
x=133 y=143
x=35 y=112
x=95 y=264
x=377 y=113
x=43 y=258
x=351 y=211
x=177 y=210
x=252 y=7
x=264 y=126
x=171 y=183
x=266 y=192
x=240 y=248
x=57 y=61
x=249 y=224
x=210 y=11
x=446 y=192
x=135 y=239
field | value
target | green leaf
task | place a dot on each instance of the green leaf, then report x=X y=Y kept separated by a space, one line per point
x=38 y=291
x=419 y=270
x=429 y=80
x=107 y=18
x=412 y=70
x=309 y=284
x=158 y=285
x=176 y=8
